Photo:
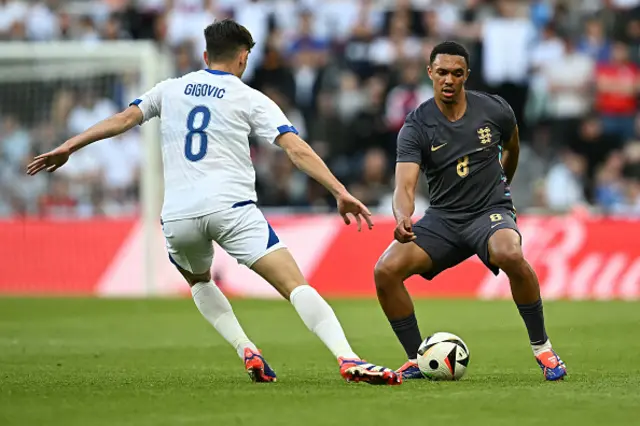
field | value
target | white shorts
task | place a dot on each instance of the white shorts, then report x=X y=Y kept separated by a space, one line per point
x=241 y=231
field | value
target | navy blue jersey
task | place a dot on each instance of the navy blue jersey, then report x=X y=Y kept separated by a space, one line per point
x=461 y=159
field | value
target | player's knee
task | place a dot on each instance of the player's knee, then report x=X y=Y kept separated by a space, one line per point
x=387 y=272
x=508 y=257
x=194 y=279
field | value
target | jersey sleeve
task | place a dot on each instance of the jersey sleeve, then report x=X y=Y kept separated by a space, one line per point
x=409 y=144
x=267 y=119
x=151 y=102
x=508 y=120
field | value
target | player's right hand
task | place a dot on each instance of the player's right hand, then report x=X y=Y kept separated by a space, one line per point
x=404 y=231
x=51 y=161
x=347 y=203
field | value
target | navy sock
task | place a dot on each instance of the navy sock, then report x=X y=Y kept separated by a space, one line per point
x=534 y=320
x=408 y=333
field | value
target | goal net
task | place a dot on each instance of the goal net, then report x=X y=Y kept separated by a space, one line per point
x=49 y=92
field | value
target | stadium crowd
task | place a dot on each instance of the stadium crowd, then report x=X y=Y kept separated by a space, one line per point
x=347 y=72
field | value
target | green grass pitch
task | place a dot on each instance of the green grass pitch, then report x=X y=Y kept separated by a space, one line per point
x=97 y=362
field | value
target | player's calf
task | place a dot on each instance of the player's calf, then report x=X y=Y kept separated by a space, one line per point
x=397 y=263
x=505 y=252
x=281 y=271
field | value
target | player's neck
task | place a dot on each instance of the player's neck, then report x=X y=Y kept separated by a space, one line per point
x=222 y=67
x=453 y=111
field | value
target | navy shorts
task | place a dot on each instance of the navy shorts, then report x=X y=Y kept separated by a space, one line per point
x=449 y=242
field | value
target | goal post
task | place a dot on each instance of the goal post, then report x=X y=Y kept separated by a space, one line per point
x=31 y=73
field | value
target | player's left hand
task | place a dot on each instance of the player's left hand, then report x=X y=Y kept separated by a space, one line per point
x=51 y=161
x=347 y=203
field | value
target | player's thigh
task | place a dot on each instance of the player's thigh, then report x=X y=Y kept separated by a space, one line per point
x=440 y=239
x=246 y=235
x=189 y=248
x=400 y=261
x=280 y=269
x=482 y=234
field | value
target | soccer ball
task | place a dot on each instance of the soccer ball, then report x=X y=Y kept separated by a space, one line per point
x=443 y=356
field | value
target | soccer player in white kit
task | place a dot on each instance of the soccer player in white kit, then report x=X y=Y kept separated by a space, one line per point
x=206 y=119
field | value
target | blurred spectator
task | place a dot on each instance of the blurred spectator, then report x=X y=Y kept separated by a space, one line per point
x=346 y=72
x=184 y=61
x=328 y=128
x=594 y=42
x=58 y=202
x=507 y=39
x=564 y=187
x=84 y=169
x=399 y=45
x=305 y=40
x=632 y=35
x=254 y=15
x=11 y=12
x=351 y=97
x=284 y=185
x=90 y=108
x=544 y=56
x=308 y=54
x=541 y=13
x=42 y=22
x=87 y=30
x=112 y=29
x=15 y=142
x=358 y=52
x=525 y=186
x=568 y=80
x=617 y=90
x=373 y=183
x=594 y=145
x=186 y=20
x=442 y=18
x=407 y=95
x=629 y=204
x=609 y=184
x=369 y=127
x=404 y=12
x=335 y=18
x=275 y=72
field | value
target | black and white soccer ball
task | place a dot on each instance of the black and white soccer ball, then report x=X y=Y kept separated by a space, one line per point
x=443 y=356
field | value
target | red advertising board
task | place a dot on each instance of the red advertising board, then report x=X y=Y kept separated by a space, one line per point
x=575 y=257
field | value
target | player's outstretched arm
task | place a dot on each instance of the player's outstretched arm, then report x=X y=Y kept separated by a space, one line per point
x=404 y=198
x=108 y=128
x=510 y=155
x=306 y=159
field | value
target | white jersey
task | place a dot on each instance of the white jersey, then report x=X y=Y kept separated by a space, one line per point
x=206 y=118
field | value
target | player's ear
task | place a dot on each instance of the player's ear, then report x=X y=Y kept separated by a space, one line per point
x=205 y=56
x=244 y=58
x=429 y=72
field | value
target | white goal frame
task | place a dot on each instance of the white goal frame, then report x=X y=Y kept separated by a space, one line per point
x=152 y=64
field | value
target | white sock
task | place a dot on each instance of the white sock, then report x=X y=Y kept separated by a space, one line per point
x=538 y=349
x=215 y=307
x=318 y=316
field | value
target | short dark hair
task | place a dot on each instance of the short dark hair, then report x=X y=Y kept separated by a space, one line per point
x=224 y=39
x=449 y=48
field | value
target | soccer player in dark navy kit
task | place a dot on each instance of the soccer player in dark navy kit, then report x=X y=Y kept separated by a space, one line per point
x=467 y=145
